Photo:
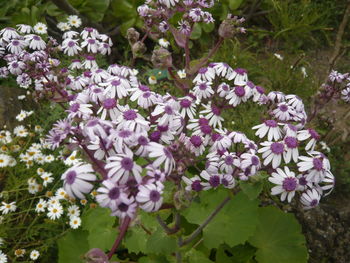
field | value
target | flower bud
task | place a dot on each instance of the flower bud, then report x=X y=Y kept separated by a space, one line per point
x=228 y=27
x=132 y=35
x=138 y=49
x=161 y=58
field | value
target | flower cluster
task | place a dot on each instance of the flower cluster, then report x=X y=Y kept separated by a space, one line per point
x=136 y=138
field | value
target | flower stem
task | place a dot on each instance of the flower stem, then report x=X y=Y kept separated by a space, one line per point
x=124 y=227
x=205 y=223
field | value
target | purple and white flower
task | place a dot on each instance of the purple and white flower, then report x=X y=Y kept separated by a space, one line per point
x=286 y=183
x=77 y=180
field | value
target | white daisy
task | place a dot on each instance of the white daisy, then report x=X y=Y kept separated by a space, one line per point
x=55 y=211
x=74 y=222
x=34 y=255
x=40 y=28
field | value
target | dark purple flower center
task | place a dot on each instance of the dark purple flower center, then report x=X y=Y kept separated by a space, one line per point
x=240 y=71
x=291 y=142
x=202 y=70
x=314 y=134
x=203 y=86
x=216 y=110
x=168 y=110
x=129 y=115
x=15 y=42
x=142 y=140
x=14 y=65
x=37 y=38
x=196 y=140
x=123 y=207
x=283 y=107
x=185 y=103
x=271 y=123
x=314 y=203
x=259 y=89
x=225 y=87
x=144 y=88
x=255 y=160
x=229 y=160
x=114 y=193
x=146 y=95
x=89 y=29
x=318 y=163
x=71 y=44
x=203 y=121
x=74 y=107
x=239 y=91
x=88 y=57
x=277 y=148
x=196 y=186
x=290 y=184
x=214 y=180
x=91 y=41
x=127 y=163
x=206 y=129
x=154 y=196
x=224 y=181
x=109 y=103
x=155 y=136
x=97 y=90
x=70 y=178
x=163 y=128
x=115 y=82
x=302 y=181
x=124 y=133
x=216 y=137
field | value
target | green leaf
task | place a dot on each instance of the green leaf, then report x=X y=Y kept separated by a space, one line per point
x=72 y=246
x=195 y=256
x=160 y=243
x=234 y=224
x=234 y=4
x=204 y=205
x=95 y=10
x=136 y=240
x=153 y=259
x=278 y=238
x=208 y=27
x=252 y=190
x=237 y=254
x=99 y=223
x=196 y=31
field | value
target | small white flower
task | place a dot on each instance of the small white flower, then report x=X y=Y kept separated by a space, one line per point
x=152 y=80
x=181 y=74
x=40 y=206
x=163 y=42
x=63 y=26
x=6 y=208
x=74 y=20
x=55 y=211
x=34 y=254
x=3 y=257
x=75 y=222
x=40 y=28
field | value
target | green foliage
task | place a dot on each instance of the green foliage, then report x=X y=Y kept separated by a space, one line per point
x=278 y=238
x=100 y=226
x=73 y=246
